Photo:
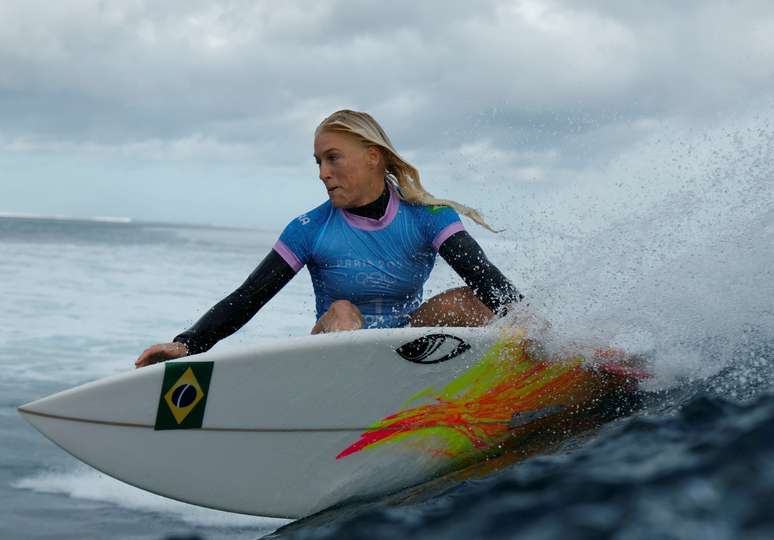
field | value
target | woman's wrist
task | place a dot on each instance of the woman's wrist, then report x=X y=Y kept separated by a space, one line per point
x=181 y=347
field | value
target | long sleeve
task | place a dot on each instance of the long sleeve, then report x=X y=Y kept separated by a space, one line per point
x=234 y=311
x=467 y=258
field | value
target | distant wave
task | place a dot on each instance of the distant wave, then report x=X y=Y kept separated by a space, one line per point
x=99 y=219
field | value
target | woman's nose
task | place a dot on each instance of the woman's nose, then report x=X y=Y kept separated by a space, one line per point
x=325 y=172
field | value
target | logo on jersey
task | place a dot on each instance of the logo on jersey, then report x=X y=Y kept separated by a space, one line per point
x=434 y=209
x=183 y=395
x=304 y=219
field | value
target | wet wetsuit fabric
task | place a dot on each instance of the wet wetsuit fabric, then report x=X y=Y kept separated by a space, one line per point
x=465 y=256
x=380 y=265
x=460 y=250
x=235 y=310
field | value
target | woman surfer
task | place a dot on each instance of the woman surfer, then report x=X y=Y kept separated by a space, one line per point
x=369 y=248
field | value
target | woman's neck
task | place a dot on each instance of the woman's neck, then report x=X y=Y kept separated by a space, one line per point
x=375 y=209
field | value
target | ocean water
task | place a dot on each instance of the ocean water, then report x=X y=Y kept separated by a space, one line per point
x=81 y=299
x=668 y=252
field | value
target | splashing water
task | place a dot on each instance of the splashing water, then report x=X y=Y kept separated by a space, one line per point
x=669 y=253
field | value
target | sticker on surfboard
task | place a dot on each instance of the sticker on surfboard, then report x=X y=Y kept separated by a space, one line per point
x=183 y=395
x=432 y=349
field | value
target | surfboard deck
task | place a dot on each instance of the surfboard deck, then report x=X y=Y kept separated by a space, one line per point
x=291 y=428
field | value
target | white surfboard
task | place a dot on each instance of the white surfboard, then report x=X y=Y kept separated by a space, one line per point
x=291 y=428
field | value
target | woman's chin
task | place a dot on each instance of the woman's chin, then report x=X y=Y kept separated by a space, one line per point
x=338 y=202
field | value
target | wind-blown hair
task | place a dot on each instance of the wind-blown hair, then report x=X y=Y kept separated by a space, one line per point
x=398 y=171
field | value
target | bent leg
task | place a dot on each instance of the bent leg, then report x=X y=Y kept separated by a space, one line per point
x=342 y=315
x=455 y=307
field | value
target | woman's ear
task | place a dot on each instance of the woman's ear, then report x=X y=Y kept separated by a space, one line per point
x=375 y=158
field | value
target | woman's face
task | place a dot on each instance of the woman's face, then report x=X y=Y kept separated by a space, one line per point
x=350 y=172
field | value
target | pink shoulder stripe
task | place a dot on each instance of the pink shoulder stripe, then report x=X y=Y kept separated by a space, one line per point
x=289 y=256
x=446 y=232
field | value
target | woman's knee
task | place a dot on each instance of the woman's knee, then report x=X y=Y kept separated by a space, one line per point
x=342 y=315
x=343 y=308
x=454 y=307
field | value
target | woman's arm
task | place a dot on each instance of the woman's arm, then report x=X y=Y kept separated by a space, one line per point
x=467 y=258
x=233 y=312
x=228 y=315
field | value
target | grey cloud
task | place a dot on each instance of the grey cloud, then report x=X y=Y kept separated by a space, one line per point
x=555 y=78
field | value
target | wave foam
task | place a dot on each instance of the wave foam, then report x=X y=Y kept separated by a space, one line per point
x=87 y=484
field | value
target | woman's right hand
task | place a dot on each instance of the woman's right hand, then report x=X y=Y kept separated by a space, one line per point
x=161 y=353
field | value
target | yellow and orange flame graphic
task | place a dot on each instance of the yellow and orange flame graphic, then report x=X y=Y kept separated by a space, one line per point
x=474 y=412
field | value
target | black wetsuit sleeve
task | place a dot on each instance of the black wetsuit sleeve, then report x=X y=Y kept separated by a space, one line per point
x=467 y=258
x=231 y=313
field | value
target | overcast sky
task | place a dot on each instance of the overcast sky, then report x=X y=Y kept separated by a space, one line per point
x=203 y=111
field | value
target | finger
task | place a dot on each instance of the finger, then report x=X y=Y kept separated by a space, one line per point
x=147 y=358
x=142 y=362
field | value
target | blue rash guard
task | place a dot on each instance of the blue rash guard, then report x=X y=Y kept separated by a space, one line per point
x=380 y=265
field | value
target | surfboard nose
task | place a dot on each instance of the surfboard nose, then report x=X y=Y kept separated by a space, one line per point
x=128 y=398
x=33 y=408
x=27 y=410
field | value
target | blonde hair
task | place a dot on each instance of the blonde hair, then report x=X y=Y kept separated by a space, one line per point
x=398 y=170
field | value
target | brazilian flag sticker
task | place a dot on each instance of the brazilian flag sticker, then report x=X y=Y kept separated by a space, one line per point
x=183 y=395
